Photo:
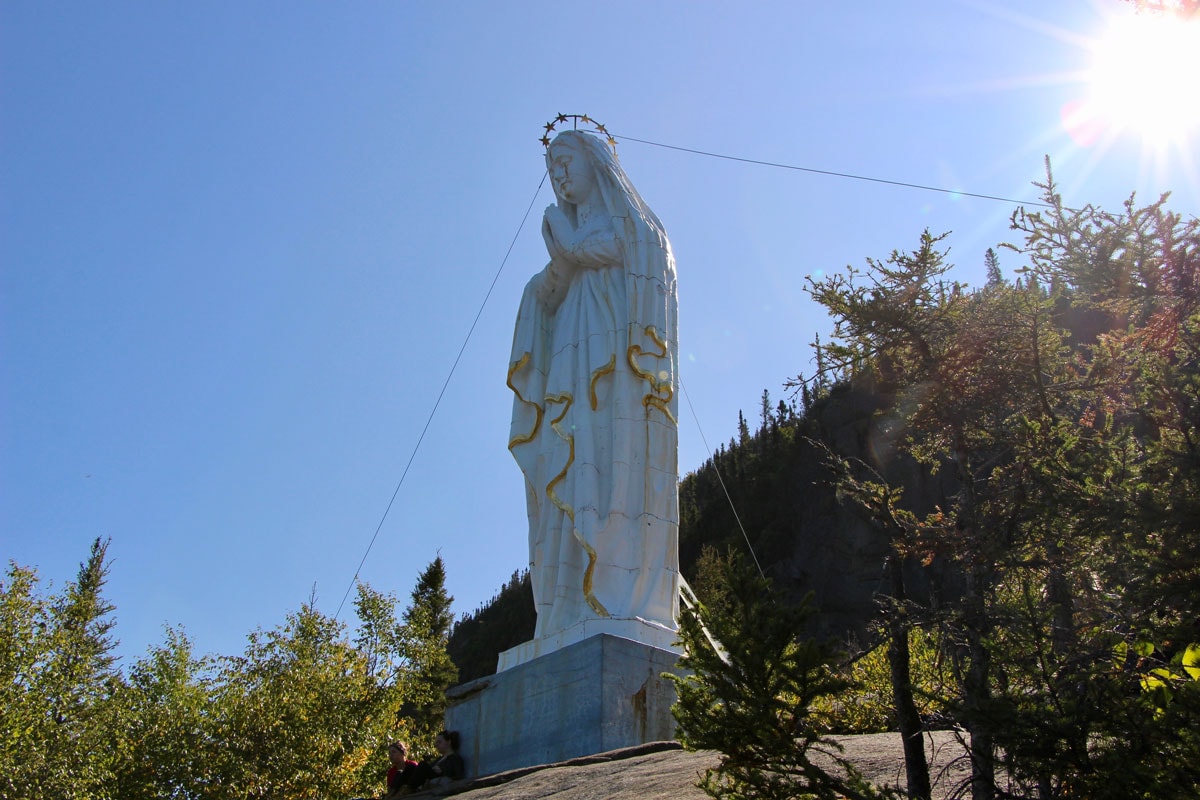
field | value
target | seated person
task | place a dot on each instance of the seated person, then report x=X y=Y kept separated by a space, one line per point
x=450 y=767
x=398 y=755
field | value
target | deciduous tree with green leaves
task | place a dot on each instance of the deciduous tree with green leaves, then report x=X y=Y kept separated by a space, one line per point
x=303 y=712
x=287 y=714
x=163 y=745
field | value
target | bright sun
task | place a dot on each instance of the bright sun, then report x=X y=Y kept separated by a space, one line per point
x=1143 y=77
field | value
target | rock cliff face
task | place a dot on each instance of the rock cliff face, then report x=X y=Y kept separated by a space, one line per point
x=805 y=539
x=838 y=553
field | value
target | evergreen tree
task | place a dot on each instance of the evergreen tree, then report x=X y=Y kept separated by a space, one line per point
x=56 y=724
x=991 y=265
x=958 y=366
x=429 y=669
x=749 y=696
x=900 y=617
x=1066 y=408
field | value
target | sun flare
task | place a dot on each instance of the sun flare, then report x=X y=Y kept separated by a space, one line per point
x=1143 y=75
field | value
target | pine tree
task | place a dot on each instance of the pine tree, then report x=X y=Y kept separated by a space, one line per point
x=748 y=696
x=56 y=730
x=429 y=669
x=991 y=265
x=880 y=503
x=1066 y=410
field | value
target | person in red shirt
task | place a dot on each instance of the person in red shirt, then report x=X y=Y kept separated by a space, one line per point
x=450 y=767
x=398 y=755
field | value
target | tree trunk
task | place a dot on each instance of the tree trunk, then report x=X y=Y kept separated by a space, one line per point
x=1063 y=640
x=916 y=766
x=977 y=691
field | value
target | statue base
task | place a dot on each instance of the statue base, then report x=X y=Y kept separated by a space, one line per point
x=602 y=693
x=639 y=630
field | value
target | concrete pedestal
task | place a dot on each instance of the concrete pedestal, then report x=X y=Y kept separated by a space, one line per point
x=599 y=694
x=639 y=630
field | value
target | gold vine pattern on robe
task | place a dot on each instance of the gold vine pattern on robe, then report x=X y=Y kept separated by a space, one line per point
x=657 y=387
x=538 y=411
x=567 y=400
x=600 y=372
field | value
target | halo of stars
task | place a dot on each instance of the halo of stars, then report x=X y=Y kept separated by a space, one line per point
x=575 y=119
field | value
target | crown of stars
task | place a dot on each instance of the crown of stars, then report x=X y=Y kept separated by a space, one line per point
x=575 y=120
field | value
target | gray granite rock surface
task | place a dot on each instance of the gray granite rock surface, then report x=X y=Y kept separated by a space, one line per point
x=664 y=771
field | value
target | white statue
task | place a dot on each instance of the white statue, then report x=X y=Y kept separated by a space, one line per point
x=594 y=427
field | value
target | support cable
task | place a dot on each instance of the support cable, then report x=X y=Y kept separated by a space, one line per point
x=835 y=174
x=721 y=480
x=441 y=394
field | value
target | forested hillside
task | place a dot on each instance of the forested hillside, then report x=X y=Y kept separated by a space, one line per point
x=502 y=622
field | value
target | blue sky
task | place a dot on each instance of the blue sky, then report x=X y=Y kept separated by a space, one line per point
x=241 y=245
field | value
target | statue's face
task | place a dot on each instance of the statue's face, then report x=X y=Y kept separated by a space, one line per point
x=570 y=173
